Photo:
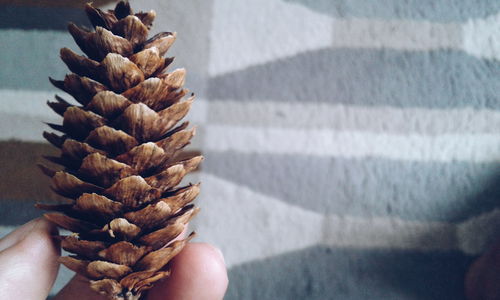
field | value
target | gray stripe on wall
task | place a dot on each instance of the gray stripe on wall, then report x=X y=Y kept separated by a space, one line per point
x=320 y=273
x=43 y=18
x=440 y=11
x=25 y=128
x=424 y=191
x=435 y=79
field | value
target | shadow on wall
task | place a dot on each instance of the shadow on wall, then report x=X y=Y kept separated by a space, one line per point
x=351 y=274
x=482 y=227
x=486 y=199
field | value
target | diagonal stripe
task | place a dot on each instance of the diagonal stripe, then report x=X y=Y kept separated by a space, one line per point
x=244 y=35
x=368 y=187
x=250 y=226
x=261 y=114
x=439 y=79
x=355 y=144
x=253 y=45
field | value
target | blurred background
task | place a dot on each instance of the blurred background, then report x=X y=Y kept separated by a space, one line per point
x=352 y=147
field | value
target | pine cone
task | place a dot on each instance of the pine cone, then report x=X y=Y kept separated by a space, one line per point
x=119 y=149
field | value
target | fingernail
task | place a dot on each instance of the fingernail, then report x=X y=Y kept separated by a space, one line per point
x=220 y=255
x=30 y=226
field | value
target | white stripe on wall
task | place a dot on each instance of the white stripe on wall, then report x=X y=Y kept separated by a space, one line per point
x=358 y=118
x=395 y=34
x=478 y=37
x=481 y=37
x=243 y=35
x=349 y=144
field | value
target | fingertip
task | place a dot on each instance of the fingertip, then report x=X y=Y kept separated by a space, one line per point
x=32 y=258
x=40 y=238
x=198 y=272
x=18 y=234
x=481 y=280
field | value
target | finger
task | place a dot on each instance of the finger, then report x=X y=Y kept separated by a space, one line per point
x=481 y=281
x=28 y=264
x=78 y=288
x=17 y=235
x=198 y=272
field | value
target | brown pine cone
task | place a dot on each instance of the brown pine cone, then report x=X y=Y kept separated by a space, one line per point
x=119 y=149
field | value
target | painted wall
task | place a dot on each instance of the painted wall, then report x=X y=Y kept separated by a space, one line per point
x=352 y=147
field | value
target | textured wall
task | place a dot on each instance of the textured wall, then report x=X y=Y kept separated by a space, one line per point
x=352 y=147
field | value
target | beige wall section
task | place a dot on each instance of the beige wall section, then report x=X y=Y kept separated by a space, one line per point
x=20 y=178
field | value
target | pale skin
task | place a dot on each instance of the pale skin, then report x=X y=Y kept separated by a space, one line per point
x=28 y=268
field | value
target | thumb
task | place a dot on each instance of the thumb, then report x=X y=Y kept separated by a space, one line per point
x=28 y=261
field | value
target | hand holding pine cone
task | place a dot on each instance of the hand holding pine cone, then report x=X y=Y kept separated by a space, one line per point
x=119 y=150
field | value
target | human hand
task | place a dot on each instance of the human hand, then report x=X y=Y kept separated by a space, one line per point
x=482 y=279
x=28 y=269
